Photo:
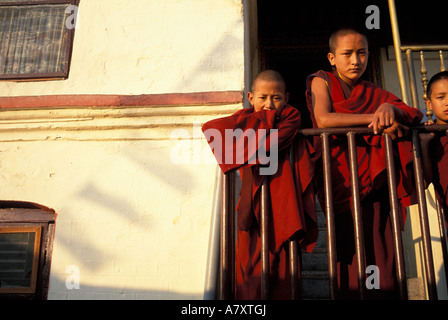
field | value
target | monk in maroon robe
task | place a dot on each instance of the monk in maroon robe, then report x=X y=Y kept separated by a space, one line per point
x=435 y=146
x=342 y=99
x=271 y=125
x=439 y=154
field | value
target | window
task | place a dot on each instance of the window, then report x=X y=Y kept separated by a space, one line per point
x=26 y=244
x=19 y=257
x=36 y=38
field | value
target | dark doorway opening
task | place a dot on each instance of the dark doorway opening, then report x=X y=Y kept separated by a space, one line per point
x=293 y=39
x=293 y=35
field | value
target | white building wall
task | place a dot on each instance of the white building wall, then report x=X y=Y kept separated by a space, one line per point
x=151 y=46
x=132 y=220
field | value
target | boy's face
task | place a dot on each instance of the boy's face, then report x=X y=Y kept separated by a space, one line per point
x=350 y=57
x=438 y=101
x=268 y=95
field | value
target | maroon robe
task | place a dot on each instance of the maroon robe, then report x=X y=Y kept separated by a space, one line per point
x=365 y=98
x=293 y=213
x=439 y=156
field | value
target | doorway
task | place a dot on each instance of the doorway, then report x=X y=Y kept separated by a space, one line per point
x=293 y=39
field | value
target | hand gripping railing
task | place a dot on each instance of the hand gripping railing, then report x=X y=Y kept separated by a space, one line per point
x=227 y=269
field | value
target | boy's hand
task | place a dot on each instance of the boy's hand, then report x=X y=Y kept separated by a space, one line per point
x=383 y=117
x=397 y=130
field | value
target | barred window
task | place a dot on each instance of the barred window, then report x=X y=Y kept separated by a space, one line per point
x=36 y=38
x=26 y=245
x=19 y=256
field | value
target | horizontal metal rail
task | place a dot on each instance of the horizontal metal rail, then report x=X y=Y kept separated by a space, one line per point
x=227 y=285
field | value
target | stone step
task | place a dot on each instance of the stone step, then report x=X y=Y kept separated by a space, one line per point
x=315 y=285
x=316 y=260
x=315 y=265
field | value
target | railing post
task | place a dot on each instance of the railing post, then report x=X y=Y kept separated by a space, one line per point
x=395 y=218
x=227 y=266
x=424 y=80
x=329 y=214
x=424 y=224
x=412 y=81
x=294 y=267
x=294 y=270
x=264 y=212
x=397 y=48
x=357 y=215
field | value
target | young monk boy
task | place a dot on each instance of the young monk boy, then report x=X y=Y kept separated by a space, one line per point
x=435 y=146
x=341 y=99
x=293 y=216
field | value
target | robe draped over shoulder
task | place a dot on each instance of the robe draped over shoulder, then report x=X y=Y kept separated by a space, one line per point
x=439 y=157
x=291 y=190
x=366 y=97
x=293 y=207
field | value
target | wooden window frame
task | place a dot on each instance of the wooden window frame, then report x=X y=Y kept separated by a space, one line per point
x=29 y=216
x=36 y=250
x=62 y=75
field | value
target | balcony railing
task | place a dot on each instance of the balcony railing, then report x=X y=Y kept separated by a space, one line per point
x=227 y=276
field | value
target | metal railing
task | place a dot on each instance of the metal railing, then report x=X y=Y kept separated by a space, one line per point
x=227 y=277
x=409 y=50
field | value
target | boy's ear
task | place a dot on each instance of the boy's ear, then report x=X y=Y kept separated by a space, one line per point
x=330 y=57
x=250 y=97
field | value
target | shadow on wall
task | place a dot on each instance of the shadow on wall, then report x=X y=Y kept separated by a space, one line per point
x=67 y=289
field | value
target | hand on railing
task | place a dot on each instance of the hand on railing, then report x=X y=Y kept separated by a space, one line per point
x=397 y=130
x=386 y=117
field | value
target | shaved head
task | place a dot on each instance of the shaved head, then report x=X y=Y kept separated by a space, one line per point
x=333 y=42
x=270 y=76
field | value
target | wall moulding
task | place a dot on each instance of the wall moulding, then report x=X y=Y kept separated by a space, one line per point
x=164 y=99
x=110 y=117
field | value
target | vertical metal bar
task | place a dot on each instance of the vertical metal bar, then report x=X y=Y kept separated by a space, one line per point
x=8 y=49
x=294 y=270
x=412 y=81
x=424 y=80
x=397 y=47
x=395 y=218
x=264 y=212
x=357 y=215
x=329 y=214
x=442 y=64
x=3 y=36
x=443 y=237
x=224 y=261
x=14 y=68
x=227 y=265
x=232 y=233
x=424 y=225
x=61 y=40
x=294 y=262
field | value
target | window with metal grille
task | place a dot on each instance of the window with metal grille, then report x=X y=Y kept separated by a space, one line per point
x=19 y=255
x=26 y=245
x=36 y=38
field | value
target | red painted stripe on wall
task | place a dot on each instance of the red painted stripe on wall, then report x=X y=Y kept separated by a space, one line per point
x=164 y=99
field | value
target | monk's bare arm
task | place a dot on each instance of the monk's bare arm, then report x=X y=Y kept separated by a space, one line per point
x=325 y=118
x=384 y=117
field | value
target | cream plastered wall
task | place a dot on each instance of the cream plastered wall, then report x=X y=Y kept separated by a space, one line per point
x=151 y=46
x=134 y=203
